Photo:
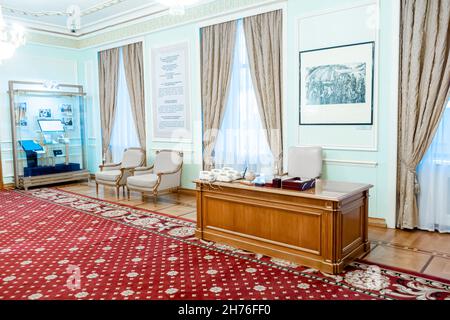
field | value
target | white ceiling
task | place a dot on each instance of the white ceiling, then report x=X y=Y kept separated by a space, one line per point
x=122 y=12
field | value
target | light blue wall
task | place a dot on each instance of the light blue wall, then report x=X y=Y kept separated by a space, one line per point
x=376 y=166
x=88 y=77
x=375 y=161
x=31 y=63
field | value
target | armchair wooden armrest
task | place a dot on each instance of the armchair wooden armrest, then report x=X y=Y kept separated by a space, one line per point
x=130 y=169
x=143 y=170
x=110 y=166
x=170 y=172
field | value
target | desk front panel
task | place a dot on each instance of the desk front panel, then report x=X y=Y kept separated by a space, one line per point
x=321 y=234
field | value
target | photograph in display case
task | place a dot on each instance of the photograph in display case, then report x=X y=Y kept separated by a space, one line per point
x=66 y=109
x=45 y=113
x=68 y=122
x=21 y=114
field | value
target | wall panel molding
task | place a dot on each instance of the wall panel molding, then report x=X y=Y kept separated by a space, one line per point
x=352 y=163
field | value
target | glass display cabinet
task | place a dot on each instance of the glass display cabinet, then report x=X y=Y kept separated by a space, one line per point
x=48 y=132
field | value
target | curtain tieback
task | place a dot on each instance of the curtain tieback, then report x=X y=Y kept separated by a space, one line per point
x=413 y=170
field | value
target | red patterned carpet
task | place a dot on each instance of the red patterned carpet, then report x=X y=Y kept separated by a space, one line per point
x=57 y=245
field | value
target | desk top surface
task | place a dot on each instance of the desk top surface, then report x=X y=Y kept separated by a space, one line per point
x=324 y=190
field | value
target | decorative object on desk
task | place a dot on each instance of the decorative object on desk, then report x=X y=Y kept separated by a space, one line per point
x=66 y=109
x=250 y=176
x=276 y=183
x=45 y=113
x=276 y=170
x=336 y=85
x=260 y=181
x=319 y=186
x=298 y=184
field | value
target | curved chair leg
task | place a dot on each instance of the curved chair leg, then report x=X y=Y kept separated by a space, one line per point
x=118 y=192
x=143 y=197
x=128 y=193
x=155 y=196
x=123 y=191
x=96 y=187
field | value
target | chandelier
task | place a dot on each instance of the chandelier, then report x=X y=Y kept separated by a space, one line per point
x=176 y=7
x=11 y=37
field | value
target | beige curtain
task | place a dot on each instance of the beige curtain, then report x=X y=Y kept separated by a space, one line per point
x=264 y=37
x=218 y=43
x=108 y=81
x=425 y=87
x=134 y=72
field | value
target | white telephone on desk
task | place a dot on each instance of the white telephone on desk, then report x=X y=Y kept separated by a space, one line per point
x=222 y=175
x=225 y=177
x=207 y=176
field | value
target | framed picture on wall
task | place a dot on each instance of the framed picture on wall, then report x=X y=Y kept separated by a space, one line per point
x=337 y=84
x=171 y=92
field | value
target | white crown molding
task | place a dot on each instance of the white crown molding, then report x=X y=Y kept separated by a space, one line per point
x=37 y=26
x=39 y=35
x=227 y=13
x=144 y=11
x=148 y=11
x=135 y=14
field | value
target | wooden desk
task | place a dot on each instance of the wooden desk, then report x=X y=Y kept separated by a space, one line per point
x=324 y=228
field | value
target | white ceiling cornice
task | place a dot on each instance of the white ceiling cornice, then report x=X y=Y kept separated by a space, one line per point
x=133 y=15
x=136 y=22
x=35 y=20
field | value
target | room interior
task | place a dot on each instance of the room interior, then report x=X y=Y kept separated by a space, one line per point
x=225 y=150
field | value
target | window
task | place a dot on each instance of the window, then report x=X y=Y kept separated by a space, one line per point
x=124 y=133
x=242 y=142
x=434 y=179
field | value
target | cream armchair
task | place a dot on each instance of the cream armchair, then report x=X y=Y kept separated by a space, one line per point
x=116 y=174
x=164 y=175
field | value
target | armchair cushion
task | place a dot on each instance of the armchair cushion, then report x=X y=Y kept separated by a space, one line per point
x=164 y=175
x=146 y=181
x=167 y=162
x=109 y=175
x=132 y=158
